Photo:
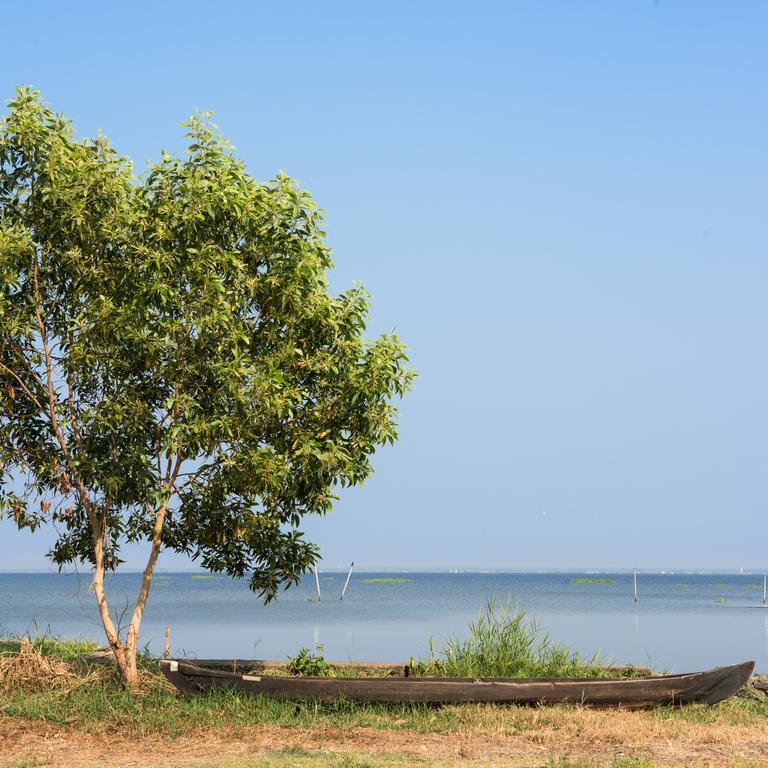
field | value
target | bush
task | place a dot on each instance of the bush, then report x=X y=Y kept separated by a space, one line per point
x=308 y=664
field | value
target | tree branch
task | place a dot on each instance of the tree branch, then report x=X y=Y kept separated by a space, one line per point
x=97 y=522
x=157 y=540
x=24 y=387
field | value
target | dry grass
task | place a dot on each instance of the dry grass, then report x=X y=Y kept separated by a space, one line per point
x=560 y=737
x=30 y=670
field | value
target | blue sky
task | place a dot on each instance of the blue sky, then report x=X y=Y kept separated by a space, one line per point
x=561 y=206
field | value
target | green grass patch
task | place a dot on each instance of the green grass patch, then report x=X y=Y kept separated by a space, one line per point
x=387 y=580
x=67 y=649
x=505 y=643
x=104 y=706
x=585 y=580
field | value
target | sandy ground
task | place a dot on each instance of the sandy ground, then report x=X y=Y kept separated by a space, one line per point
x=585 y=735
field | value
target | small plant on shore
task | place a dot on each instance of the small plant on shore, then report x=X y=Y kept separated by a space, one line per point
x=307 y=664
x=506 y=643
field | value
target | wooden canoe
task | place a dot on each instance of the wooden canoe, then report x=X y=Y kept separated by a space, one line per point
x=705 y=687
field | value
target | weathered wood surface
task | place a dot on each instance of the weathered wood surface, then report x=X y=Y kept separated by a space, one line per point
x=234 y=665
x=395 y=669
x=230 y=665
x=706 y=687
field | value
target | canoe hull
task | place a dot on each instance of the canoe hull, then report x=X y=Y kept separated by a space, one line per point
x=706 y=687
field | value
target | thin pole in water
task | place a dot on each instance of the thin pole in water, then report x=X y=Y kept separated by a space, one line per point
x=317 y=584
x=765 y=585
x=346 y=583
x=634 y=575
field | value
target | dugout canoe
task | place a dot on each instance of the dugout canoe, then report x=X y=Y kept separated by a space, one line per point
x=705 y=687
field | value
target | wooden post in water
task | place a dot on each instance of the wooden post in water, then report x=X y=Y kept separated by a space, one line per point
x=765 y=585
x=634 y=575
x=167 y=649
x=346 y=583
x=317 y=584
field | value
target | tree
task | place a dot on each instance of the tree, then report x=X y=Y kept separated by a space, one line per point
x=173 y=367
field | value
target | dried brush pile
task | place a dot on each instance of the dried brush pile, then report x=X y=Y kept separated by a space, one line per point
x=29 y=669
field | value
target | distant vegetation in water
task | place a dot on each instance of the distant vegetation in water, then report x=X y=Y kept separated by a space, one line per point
x=388 y=580
x=721 y=600
x=681 y=585
x=204 y=576
x=582 y=580
x=720 y=585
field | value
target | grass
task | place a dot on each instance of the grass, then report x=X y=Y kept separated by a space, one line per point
x=105 y=705
x=505 y=643
x=66 y=649
x=300 y=758
x=619 y=762
x=386 y=580
x=584 y=580
x=94 y=712
x=102 y=705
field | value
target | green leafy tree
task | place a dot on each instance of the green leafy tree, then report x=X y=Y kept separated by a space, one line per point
x=173 y=367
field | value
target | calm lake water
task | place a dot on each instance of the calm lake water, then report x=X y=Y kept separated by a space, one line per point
x=681 y=621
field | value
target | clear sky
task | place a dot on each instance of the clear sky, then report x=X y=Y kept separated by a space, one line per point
x=561 y=206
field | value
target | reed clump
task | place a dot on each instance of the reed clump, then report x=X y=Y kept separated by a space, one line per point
x=504 y=642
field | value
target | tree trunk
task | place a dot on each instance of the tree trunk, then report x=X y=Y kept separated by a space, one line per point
x=125 y=652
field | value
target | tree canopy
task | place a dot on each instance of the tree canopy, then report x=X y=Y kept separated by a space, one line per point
x=173 y=366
